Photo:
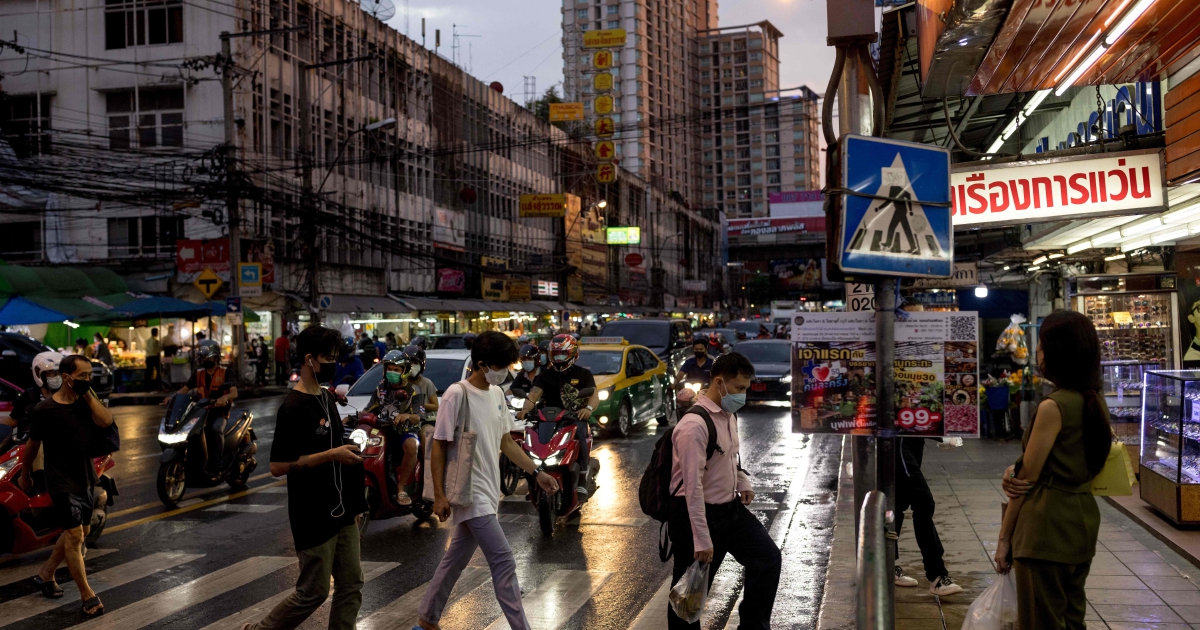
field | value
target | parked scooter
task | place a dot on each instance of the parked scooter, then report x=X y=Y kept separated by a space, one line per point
x=688 y=391
x=184 y=442
x=371 y=436
x=549 y=440
x=27 y=521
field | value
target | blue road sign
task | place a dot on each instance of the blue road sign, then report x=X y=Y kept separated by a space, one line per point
x=889 y=227
x=251 y=274
x=233 y=305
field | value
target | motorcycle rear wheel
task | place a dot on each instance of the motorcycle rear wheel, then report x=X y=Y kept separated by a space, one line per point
x=372 y=501
x=238 y=480
x=546 y=516
x=171 y=482
x=510 y=476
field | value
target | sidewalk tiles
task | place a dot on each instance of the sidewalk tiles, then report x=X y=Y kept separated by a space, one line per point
x=1136 y=581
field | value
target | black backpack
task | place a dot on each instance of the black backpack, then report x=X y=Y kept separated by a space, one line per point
x=654 y=491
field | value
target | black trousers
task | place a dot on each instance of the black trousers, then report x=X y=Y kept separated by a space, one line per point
x=153 y=374
x=733 y=530
x=912 y=491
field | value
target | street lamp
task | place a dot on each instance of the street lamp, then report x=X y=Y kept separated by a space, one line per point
x=386 y=123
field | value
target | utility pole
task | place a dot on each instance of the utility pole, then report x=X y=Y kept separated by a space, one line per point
x=232 y=203
x=308 y=209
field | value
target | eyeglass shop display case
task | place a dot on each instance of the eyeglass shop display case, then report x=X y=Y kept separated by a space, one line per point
x=1170 y=449
x=1135 y=315
x=1123 y=383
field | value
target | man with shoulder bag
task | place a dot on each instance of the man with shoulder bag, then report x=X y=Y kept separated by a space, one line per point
x=708 y=515
x=463 y=480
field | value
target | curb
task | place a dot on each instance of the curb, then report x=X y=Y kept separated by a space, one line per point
x=838 y=601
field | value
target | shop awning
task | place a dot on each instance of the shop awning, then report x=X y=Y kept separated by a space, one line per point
x=21 y=312
x=345 y=303
x=419 y=303
x=159 y=306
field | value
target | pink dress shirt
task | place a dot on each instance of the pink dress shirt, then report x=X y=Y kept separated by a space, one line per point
x=716 y=481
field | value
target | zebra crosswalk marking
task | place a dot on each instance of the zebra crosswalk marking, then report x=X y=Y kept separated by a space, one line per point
x=249 y=508
x=401 y=614
x=27 y=570
x=654 y=613
x=554 y=601
x=15 y=610
x=371 y=570
x=156 y=607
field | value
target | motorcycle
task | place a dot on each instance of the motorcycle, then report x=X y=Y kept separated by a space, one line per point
x=688 y=391
x=549 y=440
x=26 y=523
x=182 y=436
x=510 y=473
x=372 y=434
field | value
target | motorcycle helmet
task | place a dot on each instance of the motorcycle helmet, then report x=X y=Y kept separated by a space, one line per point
x=416 y=357
x=347 y=352
x=204 y=353
x=469 y=340
x=530 y=352
x=398 y=358
x=45 y=362
x=420 y=341
x=522 y=340
x=564 y=350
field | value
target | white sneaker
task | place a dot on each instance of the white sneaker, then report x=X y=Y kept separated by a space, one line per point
x=944 y=586
x=904 y=580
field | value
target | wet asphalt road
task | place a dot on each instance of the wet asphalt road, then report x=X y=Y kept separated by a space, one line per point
x=212 y=561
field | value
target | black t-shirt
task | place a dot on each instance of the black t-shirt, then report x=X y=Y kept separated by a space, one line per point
x=523 y=382
x=303 y=427
x=693 y=370
x=561 y=389
x=23 y=408
x=63 y=431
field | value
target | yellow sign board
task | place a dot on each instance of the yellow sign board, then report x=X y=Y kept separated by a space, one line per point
x=564 y=112
x=606 y=173
x=208 y=282
x=608 y=38
x=539 y=206
x=605 y=150
x=602 y=60
x=603 y=104
x=518 y=290
x=491 y=262
x=1122 y=318
x=603 y=82
x=605 y=127
x=495 y=288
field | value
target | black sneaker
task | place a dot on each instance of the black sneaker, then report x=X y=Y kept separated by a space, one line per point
x=944 y=586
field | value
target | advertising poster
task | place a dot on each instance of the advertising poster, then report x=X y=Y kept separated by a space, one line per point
x=936 y=374
x=1187 y=266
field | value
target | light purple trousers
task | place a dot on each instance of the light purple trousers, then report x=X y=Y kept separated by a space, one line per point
x=481 y=532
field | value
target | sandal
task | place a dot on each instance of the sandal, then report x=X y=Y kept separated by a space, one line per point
x=95 y=605
x=402 y=498
x=49 y=589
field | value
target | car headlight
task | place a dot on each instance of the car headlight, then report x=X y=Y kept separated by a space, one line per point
x=603 y=419
x=604 y=394
x=787 y=378
x=177 y=437
x=7 y=467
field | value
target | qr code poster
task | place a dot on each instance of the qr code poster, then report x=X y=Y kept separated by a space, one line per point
x=936 y=374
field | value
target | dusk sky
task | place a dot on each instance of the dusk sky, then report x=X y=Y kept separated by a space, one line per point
x=518 y=38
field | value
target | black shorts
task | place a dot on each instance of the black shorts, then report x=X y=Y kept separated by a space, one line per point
x=72 y=509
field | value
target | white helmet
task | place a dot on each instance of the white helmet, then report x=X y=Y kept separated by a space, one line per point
x=45 y=362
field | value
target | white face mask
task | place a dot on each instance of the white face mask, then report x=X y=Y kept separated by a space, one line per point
x=53 y=383
x=496 y=377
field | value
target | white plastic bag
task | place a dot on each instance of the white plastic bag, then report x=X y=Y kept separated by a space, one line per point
x=690 y=592
x=995 y=608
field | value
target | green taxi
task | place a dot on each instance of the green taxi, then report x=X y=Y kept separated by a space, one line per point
x=634 y=385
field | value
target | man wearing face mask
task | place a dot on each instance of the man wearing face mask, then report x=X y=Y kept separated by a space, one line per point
x=219 y=386
x=393 y=400
x=709 y=517
x=699 y=366
x=325 y=491
x=531 y=367
x=63 y=422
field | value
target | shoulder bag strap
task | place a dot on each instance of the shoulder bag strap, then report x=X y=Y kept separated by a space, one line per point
x=464 y=409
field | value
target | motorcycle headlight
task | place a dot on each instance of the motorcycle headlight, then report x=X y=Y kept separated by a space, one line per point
x=604 y=394
x=694 y=387
x=178 y=436
x=359 y=438
x=787 y=378
x=7 y=467
x=516 y=403
x=552 y=460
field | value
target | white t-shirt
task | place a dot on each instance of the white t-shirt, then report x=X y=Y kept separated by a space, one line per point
x=490 y=422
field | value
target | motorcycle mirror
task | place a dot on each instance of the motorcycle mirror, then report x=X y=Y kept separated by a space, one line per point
x=342 y=389
x=587 y=392
x=518 y=392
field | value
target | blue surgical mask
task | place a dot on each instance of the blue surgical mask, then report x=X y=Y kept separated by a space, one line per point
x=731 y=402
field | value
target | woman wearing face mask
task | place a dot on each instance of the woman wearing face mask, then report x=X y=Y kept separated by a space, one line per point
x=709 y=517
x=393 y=399
x=531 y=365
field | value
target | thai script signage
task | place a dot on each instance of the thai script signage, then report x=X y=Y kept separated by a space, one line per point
x=1030 y=192
x=608 y=38
x=554 y=206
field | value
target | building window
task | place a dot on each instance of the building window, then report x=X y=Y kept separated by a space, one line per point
x=156 y=121
x=773 y=178
x=25 y=124
x=743 y=139
x=739 y=58
x=613 y=23
x=756 y=84
x=581 y=14
x=705 y=49
x=772 y=165
x=142 y=22
x=22 y=241
x=755 y=69
x=756 y=56
x=771 y=137
x=797 y=134
x=743 y=167
x=774 y=190
x=731 y=181
x=143 y=236
x=773 y=151
x=743 y=180
x=613 y=9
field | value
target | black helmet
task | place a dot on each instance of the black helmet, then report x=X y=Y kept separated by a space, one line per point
x=530 y=351
x=522 y=340
x=208 y=351
x=420 y=341
x=397 y=358
x=416 y=357
x=347 y=352
x=469 y=340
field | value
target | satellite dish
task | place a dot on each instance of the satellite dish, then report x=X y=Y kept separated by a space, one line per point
x=382 y=10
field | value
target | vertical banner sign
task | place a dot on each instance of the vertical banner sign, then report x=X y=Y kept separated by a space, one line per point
x=605 y=127
x=602 y=59
x=606 y=173
x=1187 y=266
x=936 y=370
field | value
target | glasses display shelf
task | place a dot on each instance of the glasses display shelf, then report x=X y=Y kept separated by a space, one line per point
x=1170 y=443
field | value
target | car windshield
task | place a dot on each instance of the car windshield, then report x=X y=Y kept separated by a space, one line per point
x=25 y=347
x=766 y=352
x=369 y=382
x=750 y=327
x=443 y=372
x=653 y=335
x=454 y=342
x=600 y=362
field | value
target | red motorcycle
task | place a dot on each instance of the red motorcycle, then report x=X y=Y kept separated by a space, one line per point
x=26 y=523
x=372 y=435
x=549 y=440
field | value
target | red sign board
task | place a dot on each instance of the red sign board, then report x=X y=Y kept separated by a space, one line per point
x=452 y=281
x=194 y=255
x=634 y=260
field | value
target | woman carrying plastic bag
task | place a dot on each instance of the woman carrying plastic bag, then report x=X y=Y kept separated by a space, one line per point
x=996 y=608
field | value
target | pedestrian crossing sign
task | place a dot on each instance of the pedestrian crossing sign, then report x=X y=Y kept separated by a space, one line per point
x=895 y=209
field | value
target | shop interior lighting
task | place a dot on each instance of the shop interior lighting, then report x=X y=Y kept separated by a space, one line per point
x=1025 y=113
x=1136 y=244
x=1169 y=235
x=1055 y=255
x=1114 y=257
x=1110 y=237
x=1006 y=267
x=1040 y=259
x=1078 y=247
x=1186 y=212
x=1034 y=267
x=981 y=291
x=1142 y=227
x=1110 y=39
